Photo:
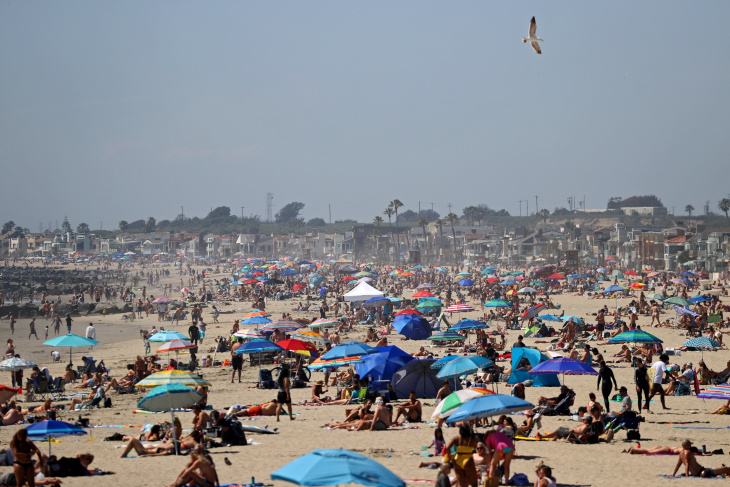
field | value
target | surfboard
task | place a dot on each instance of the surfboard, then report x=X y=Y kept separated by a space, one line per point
x=249 y=428
x=529 y=438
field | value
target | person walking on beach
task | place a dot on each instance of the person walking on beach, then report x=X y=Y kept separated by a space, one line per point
x=236 y=360
x=12 y=324
x=32 y=329
x=91 y=332
x=660 y=369
x=284 y=394
x=68 y=323
x=56 y=325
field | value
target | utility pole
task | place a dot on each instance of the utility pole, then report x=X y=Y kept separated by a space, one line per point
x=432 y=207
x=537 y=208
x=330 y=208
x=449 y=207
x=182 y=213
x=527 y=207
x=520 y=201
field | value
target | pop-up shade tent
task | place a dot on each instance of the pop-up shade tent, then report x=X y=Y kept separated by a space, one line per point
x=534 y=357
x=363 y=292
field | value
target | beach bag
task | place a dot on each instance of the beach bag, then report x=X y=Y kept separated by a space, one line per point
x=633 y=435
x=266 y=380
x=490 y=482
x=108 y=402
x=240 y=434
x=519 y=479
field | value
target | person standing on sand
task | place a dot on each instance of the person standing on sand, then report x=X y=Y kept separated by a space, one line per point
x=660 y=369
x=12 y=324
x=68 y=323
x=284 y=394
x=57 y=325
x=32 y=329
x=236 y=360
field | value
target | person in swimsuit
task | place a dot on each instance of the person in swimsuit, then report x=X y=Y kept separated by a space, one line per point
x=412 y=409
x=284 y=395
x=23 y=449
x=187 y=443
x=694 y=469
x=266 y=409
x=499 y=447
x=236 y=360
x=459 y=454
x=605 y=374
x=544 y=476
x=655 y=450
x=199 y=471
x=317 y=391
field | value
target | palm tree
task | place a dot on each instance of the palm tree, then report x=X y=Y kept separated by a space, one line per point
x=395 y=204
x=724 y=206
x=123 y=225
x=470 y=212
x=544 y=214
x=422 y=222
x=389 y=213
x=440 y=223
x=689 y=209
x=377 y=221
x=451 y=217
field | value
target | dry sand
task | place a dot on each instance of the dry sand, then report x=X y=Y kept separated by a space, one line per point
x=601 y=464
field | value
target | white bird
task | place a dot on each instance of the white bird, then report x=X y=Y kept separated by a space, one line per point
x=533 y=37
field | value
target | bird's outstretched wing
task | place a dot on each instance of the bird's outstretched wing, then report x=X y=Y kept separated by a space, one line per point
x=536 y=47
x=533 y=27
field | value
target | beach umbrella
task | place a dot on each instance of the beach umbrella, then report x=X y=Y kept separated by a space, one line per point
x=257 y=346
x=549 y=318
x=285 y=326
x=446 y=336
x=422 y=294
x=684 y=311
x=163 y=300
x=634 y=336
x=408 y=312
x=14 y=364
x=166 y=336
x=458 y=308
x=699 y=299
x=382 y=365
x=463 y=366
x=702 y=342
x=8 y=392
x=556 y=276
x=426 y=285
x=614 y=288
x=575 y=319
x=298 y=346
x=70 y=340
x=655 y=296
x=310 y=336
x=412 y=326
x=169 y=397
x=47 y=430
x=489 y=405
x=324 y=323
x=172 y=377
x=418 y=376
x=527 y=290
x=184 y=290
x=631 y=273
x=682 y=281
x=254 y=314
x=468 y=325
x=429 y=303
x=248 y=333
x=676 y=300
x=638 y=285
x=256 y=320
x=563 y=365
x=508 y=282
x=497 y=303
x=720 y=391
x=331 y=364
x=175 y=346
x=349 y=349
x=444 y=360
x=532 y=312
x=333 y=467
x=289 y=272
x=466 y=283
x=455 y=400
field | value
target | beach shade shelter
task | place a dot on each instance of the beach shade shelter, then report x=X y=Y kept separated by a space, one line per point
x=349 y=349
x=8 y=392
x=549 y=318
x=256 y=320
x=71 y=341
x=634 y=336
x=423 y=294
x=417 y=375
x=284 y=326
x=248 y=334
x=532 y=312
x=469 y=325
x=362 y=292
x=703 y=343
x=535 y=357
x=375 y=302
x=412 y=326
x=48 y=430
x=567 y=318
x=172 y=377
x=497 y=303
x=446 y=336
x=466 y=283
x=455 y=400
x=289 y=272
x=334 y=467
x=167 y=336
x=508 y=282
x=677 y=300
x=258 y=346
x=14 y=364
x=168 y=398
x=298 y=346
x=348 y=269
x=458 y=308
x=382 y=365
x=699 y=299
x=324 y=323
x=462 y=366
x=429 y=304
x=563 y=365
x=489 y=405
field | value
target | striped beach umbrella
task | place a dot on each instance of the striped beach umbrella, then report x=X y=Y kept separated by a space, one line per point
x=330 y=364
x=173 y=377
x=255 y=313
x=454 y=400
x=310 y=336
x=175 y=346
x=324 y=323
x=446 y=336
x=283 y=326
x=247 y=333
x=458 y=308
x=14 y=364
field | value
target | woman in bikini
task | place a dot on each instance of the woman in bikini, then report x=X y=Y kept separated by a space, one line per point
x=23 y=449
x=459 y=453
x=499 y=447
x=199 y=471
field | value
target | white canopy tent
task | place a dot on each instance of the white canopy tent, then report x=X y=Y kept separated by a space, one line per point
x=363 y=292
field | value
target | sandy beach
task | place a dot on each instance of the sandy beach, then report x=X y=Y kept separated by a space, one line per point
x=398 y=450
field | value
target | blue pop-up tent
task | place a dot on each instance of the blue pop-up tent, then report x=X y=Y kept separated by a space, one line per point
x=534 y=357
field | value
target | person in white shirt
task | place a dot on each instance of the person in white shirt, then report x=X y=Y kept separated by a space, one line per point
x=91 y=332
x=660 y=369
x=56 y=356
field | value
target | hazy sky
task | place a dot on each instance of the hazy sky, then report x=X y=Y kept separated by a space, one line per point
x=124 y=110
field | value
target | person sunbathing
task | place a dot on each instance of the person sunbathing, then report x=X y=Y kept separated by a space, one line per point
x=564 y=432
x=722 y=409
x=43 y=408
x=13 y=416
x=318 y=391
x=153 y=434
x=411 y=410
x=655 y=450
x=86 y=381
x=266 y=409
x=93 y=399
x=187 y=443
x=382 y=418
x=694 y=469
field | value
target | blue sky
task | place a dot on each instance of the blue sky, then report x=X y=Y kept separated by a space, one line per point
x=124 y=110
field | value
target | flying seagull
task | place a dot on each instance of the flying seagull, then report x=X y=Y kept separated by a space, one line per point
x=533 y=37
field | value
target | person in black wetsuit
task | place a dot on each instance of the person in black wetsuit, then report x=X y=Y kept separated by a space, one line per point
x=642 y=383
x=605 y=374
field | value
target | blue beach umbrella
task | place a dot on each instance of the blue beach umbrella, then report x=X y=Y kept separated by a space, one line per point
x=549 y=318
x=614 y=288
x=563 y=365
x=257 y=346
x=46 y=430
x=443 y=361
x=497 y=303
x=289 y=272
x=462 y=366
x=489 y=405
x=382 y=365
x=167 y=336
x=349 y=349
x=634 y=336
x=169 y=397
x=256 y=320
x=414 y=327
x=333 y=467
x=375 y=302
x=702 y=342
x=469 y=325
x=466 y=282
x=699 y=299
x=508 y=282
